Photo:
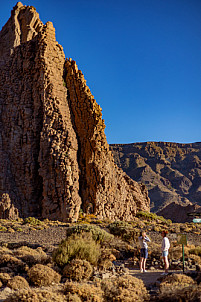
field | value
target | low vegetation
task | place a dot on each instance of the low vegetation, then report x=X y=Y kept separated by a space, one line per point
x=86 y=265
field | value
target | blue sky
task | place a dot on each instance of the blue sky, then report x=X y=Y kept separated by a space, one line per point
x=141 y=60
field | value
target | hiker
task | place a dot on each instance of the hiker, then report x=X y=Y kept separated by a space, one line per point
x=165 y=247
x=143 y=239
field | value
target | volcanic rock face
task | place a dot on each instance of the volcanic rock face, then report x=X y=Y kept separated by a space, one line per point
x=54 y=156
x=171 y=172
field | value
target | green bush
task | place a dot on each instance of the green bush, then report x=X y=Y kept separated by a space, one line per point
x=80 y=246
x=98 y=234
x=32 y=220
x=152 y=216
x=123 y=229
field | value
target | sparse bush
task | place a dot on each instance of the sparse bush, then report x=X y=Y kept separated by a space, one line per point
x=86 y=292
x=78 y=270
x=42 y=275
x=49 y=296
x=80 y=246
x=98 y=234
x=18 y=282
x=124 y=289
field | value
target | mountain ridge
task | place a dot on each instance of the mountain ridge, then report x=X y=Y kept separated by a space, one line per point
x=171 y=172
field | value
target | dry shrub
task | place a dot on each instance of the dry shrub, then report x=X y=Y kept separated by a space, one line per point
x=195 y=251
x=42 y=275
x=72 y=298
x=4 y=278
x=78 y=270
x=80 y=246
x=176 y=279
x=155 y=250
x=86 y=292
x=28 y=295
x=18 y=282
x=13 y=263
x=191 y=293
x=49 y=296
x=23 y=295
x=124 y=289
x=32 y=256
x=196 y=259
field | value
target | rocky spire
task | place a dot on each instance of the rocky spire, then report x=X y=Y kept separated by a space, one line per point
x=54 y=155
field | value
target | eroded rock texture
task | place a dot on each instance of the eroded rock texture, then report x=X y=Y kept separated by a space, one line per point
x=54 y=156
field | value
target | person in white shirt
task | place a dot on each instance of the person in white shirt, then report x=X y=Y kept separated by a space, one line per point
x=165 y=247
x=143 y=239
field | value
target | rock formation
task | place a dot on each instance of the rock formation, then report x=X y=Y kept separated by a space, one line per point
x=54 y=155
x=170 y=171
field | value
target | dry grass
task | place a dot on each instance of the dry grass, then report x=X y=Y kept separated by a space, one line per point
x=42 y=275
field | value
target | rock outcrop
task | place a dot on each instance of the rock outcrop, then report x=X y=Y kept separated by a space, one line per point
x=54 y=155
x=170 y=171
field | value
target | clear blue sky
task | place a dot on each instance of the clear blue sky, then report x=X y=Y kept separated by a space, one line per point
x=141 y=60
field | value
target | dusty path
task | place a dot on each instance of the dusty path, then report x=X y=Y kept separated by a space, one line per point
x=150 y=277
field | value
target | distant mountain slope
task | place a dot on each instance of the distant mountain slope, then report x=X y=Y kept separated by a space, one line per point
x=171 y=171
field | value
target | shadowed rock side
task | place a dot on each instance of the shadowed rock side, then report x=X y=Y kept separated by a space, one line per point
x=170 y=171
x=38 y=154
x=53 y=151
x=105 y=189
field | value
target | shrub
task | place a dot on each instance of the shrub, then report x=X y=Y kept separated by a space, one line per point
x=49 y=296
x=4 y=277
x=33 y=221
x=80 y=246
x=124 y=289
x=123 y=229
x=42 y=275
x=191 y=293
x=195 y=251
x=196 y=259
x=152 y=216
x=32 y=256
x=176 y=279
x=13 y=263
x=78 y=270
x=98 y=234
x=23 y=295
x=28 y=295
x=86 y=292
x=18 y=282
x=72 y=298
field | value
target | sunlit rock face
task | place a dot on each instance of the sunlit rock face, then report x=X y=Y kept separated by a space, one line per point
x=54 y=157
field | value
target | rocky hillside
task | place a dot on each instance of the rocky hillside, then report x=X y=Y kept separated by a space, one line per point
x=170 y=171
x=54 y=157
